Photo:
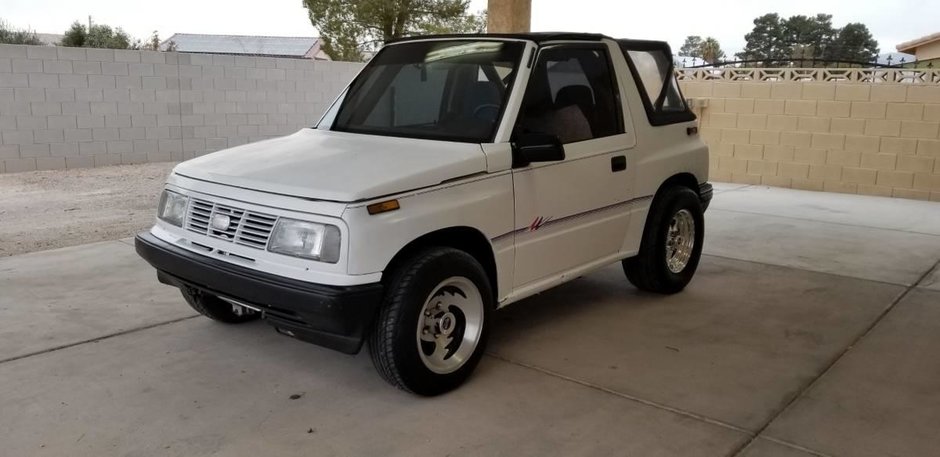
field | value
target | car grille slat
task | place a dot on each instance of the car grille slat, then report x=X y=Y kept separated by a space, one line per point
x=245 y=228
x=255 y=232
x=254 y=223
x=251 y=244
x=254 y=237
x=260 y=222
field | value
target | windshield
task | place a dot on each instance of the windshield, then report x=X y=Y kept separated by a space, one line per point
x=441 y=90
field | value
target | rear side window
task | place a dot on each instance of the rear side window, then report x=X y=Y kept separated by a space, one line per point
x=651 y=65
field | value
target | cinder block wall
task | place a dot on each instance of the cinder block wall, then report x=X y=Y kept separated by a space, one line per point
x=75 y=107
x=849 y=135
x=858 y=131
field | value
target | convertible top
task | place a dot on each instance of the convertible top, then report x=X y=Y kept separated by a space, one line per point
x=537 y=37
x=540 y=37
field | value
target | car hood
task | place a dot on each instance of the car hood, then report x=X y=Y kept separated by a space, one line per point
x=337 y=166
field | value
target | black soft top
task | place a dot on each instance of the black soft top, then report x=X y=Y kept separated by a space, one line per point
x=540 y=37
x=537 y=37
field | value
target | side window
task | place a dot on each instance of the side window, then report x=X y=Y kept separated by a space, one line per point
x=655 y=70
x=651 y=64
x=572 y=95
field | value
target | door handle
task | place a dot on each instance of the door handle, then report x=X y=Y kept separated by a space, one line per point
x=618 y=163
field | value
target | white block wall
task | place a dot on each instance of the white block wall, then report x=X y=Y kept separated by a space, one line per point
x=74 y=107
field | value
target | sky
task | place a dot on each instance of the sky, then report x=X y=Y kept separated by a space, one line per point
x=891 y=22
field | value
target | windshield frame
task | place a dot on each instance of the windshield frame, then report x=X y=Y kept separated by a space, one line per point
x=333 y=114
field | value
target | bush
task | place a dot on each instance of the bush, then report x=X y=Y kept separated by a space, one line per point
x=97 y=36
x=9 y=35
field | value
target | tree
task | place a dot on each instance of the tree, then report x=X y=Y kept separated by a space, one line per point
x=97 y=36
x=74 y=36
x=351 y=28
x=692 y=46
x=855 y=43
x=10 y=35
x=810 y=36
x=767 y=41
x=710 y=50
x=464 y=23
x=801 y=38
x=155 y=44
x=102 y=36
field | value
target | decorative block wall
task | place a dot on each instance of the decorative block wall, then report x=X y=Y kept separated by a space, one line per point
x=873 y=132
x=75 y=107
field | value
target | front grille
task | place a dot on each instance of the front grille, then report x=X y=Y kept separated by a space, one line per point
x=246 y=228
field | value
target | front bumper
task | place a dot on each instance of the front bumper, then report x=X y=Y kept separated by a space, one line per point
x=336 y=317
x=705 y=192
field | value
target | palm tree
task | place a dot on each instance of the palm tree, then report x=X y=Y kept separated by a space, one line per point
x=711 y=50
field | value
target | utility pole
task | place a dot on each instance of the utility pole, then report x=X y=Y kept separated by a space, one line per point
x=509 y=16
x=89 y=22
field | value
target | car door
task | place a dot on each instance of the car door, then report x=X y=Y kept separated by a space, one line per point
x=572 y=213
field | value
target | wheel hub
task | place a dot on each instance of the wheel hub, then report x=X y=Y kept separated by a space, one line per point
x=450 y=325
x=680 y=241
x=446 y=323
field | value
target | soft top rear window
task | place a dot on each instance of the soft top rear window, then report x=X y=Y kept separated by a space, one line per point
x=652 y=68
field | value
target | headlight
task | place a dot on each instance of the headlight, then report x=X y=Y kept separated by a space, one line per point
x=172 y=208
x=306 y=239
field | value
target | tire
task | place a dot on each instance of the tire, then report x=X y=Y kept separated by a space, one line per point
x=439 y=297
x=656 y=268
x=217 y=309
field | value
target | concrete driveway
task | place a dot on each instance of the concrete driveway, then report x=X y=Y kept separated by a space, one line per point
x=812 y=328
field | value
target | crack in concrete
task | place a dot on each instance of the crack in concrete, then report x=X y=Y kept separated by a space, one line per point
x=788 y=444
x=920 y=284
x=740 y=187
x=806 y=219
x=657 y=405
x=812 y=382
x=748 y=438
x=788 y=267
x=95 y=340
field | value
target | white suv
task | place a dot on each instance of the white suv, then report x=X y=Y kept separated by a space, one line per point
x=454 y=176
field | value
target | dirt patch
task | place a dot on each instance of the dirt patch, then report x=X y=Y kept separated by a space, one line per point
x=52 y=209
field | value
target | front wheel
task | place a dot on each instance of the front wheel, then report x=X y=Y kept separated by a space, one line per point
x=432 y=329
x=671 y=245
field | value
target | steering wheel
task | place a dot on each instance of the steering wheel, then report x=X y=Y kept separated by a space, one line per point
x=480 y=109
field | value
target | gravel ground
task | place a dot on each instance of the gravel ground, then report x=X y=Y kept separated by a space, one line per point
x=51 y=209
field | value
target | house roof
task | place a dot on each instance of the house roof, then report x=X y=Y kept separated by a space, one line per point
x=273 y=46
x=51 y=39
x=910 y=46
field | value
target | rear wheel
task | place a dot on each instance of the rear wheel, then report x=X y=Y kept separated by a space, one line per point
x=671 y=245
x=217 y=309
x=432 y=329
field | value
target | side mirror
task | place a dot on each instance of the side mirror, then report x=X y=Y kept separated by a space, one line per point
x=537 y=147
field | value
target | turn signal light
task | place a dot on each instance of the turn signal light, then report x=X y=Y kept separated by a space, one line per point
x=377 y=208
